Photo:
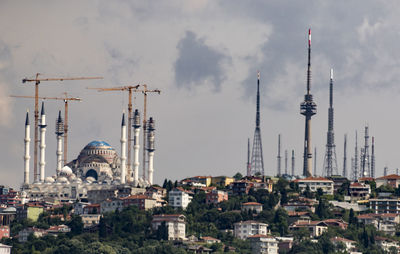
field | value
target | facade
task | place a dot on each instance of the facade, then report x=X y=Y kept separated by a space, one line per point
x=315 y=183
x=248 y=228
x=30 y=211
x=252 y=206
x=4 y=232
x=37 y=232
x=143 y=202
x=175 y=223
x=391 y=180
x=316 y=228
x=216 y=196
x=156 y=192
x=203 y=180
x=263 y=244
x=386 y=243
x=5 y=249
x=222 y=180
x=110 y=205
x=90 y=219
x=385 y=205
x=241 y=187
x=359 y=191
x=178 y=197
x=350 y=244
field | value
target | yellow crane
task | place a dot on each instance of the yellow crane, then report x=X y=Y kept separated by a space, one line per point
x=130 y=90
x=65 y=99
x=37 y=81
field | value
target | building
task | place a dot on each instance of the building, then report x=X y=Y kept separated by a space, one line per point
x=91 y=209
x=55 y=230
x=5 y=249
x=385 y=205
x=210 y=240
x=78 y=207
x=391 y=180
x=90 y=219
x=143 y=202
x=385 y=222
x=315 y=183
x=4 y=232
x=349 y=244
x=264 y=244
x=316 y=228
x=203 y=180
x=9 y=197
x=338 y=181
x=178 y=197
x=359 y=191
x=110 y=205
x=216 y=196
x=386 y=243
x=336 y=223
x=252 y=206
x=241 y=187
x=222 y=180
x=156 y=192
x=248 y=228
x=175 y=223
x=29 y=211
x=24 y=234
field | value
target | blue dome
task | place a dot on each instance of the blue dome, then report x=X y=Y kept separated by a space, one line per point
x=98 y=144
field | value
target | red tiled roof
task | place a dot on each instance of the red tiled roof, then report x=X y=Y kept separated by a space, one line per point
x=209 y=238
x=251 y=203
x=260 y=236
x=389 y=177
x=366 y=179
x=356 y=184
x=294 y=213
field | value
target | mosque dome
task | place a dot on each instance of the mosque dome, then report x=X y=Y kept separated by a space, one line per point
x=49 y=179
x=90 y=179
x=98 y=145
x=66 y=171
x=62 y=180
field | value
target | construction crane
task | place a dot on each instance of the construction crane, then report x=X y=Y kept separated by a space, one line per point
x=37 y=81
x=145 y=91
x=130 y=90
x=65 y=99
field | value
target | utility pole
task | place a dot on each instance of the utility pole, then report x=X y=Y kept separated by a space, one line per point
x=66 y=99
x=37 y=81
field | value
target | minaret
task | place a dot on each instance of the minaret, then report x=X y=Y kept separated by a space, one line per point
x=330 y=162
x=292 y=162
x=27 y=142
x=286 y=162
x=308 y=108
x=123 y=150
x=136 y=126
x=59 y=134
x=150 y=148
x=315 y=161
x=248 y=165
x=257 y=161
x=345 y=156
x=355 y=170
x=42 y=146
x=385 y=169
x=373 y=158
x=279 y=156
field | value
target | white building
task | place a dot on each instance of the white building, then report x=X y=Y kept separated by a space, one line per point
x=263 y=244
x=175 y=223
x=248 y=228
x=315 y=183
x=178 y=197
x=350 y=244
x=90 y=219
x=5 y=249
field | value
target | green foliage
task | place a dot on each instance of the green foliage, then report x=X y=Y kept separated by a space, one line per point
x=238 y=176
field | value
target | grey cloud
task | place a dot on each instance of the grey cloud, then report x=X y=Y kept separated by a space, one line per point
x=198 y=63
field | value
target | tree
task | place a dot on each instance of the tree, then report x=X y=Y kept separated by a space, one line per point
x=238 y=176
x=76 y=225
x=162 y=232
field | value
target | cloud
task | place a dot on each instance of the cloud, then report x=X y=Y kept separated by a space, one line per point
x=198 y=64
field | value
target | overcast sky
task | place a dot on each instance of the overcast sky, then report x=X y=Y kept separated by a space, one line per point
x=203 y=56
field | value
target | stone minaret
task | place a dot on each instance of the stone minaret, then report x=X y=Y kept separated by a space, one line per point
x=59 y=134
x=123 y=150
x=27 y=142
x=150 y=148
x=136 y=126
x=42 y=146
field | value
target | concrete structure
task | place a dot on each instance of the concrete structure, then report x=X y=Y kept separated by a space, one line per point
x=359 y=191
x=59 y=134
x=123 y=150
x=216 y=196
x=263 y=244
x=222 y=180
x=316 y=228
x=386 y=243
x=210 y=240
x=252 y=206
x=241 y=187
x=315 y=183
x=178 y=197
x=136 y=146
x=385 y=205
x=150 y=149
x=24 y=234
x=30 y=211
x=5 y=249
x=111 y=205
x=175 y=223
x=204 y=180
x=391 y=180
x=308 y=108
x=248 y=228
x=4 y=232
x=143 y=202
x=90 y=219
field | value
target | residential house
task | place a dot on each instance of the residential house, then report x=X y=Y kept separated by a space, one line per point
x=264 y=244
x=316 y=228
x=337 y=223
x=210 y=240
x=252 y=206
x=349 y=244
x=244 y=229
x=175 y=224
x=315 y=183
x=156 y=192
x=92 y=209
x=359 y=191
x=386 y=243
x=385 y=205
x=216 y=196
x=90 y=219
x=55 y=230
x=338 y=181
x=222 y=180
x=241 y=187
x=392 y=180
x=78 y=207
x=143 y=202
x=29 y=211
x=24 y=234
x=4 y=232
x=110 y=205
x=178 y=197
x=5 y=249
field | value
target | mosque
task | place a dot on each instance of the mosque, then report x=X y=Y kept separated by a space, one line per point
x=98 y=167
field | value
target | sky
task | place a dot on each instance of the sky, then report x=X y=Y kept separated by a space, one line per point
x=204 y=57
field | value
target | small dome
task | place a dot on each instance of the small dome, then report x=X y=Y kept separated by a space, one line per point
x=66 y=171
x=49 y=179
x=90 y=179
x=71 y=177
x=62 y=180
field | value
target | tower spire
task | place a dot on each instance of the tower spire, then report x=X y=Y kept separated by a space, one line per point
x=292 y=163
x=257 y=162
x=248 y=165
x=345 y=156
x=308 y=108
x=279 y=172
x=330 y=162
x=373 y=158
